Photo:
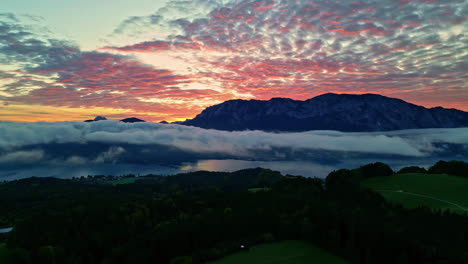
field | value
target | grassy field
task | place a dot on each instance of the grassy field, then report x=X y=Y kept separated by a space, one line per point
x=254 y=190
x=439 y=191
x=284 y=252
x=123 y=181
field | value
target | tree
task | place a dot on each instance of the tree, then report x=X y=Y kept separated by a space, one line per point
x=341 y=178
x=412 y=169
x=375 y=170
x=452 y=167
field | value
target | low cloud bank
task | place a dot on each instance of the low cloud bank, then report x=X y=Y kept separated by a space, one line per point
x=412 y=143
x=73 y=149
x=22 y=156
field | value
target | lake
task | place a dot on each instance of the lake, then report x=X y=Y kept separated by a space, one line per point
x=295 y=167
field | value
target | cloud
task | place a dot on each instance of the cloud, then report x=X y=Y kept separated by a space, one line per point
x=166 y=21
x=26 y=44
x=74 y=160
x=246 y=144
x=72 y=149
x=263 y=49
x=188 y=55
x=52 y=72
x=109 y=155
x=22 y=157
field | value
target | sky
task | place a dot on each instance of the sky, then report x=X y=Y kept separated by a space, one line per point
x=168 y=60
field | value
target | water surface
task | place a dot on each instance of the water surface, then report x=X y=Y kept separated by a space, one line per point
x=293 y=167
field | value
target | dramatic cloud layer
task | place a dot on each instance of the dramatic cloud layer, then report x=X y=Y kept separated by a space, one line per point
x=191 y=54
x=67 y=149
x=51 y=72
x=414 y=143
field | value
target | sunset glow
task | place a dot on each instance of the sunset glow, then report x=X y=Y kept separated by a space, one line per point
x=182 y=56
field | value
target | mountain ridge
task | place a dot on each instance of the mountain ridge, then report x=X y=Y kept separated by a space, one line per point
x=330 y=111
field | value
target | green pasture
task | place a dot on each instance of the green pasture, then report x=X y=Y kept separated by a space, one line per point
x=438 y=191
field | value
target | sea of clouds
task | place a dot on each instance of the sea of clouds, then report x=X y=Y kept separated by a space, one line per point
x=17 y=138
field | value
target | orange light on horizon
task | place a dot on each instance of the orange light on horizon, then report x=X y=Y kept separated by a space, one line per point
x=41 y=113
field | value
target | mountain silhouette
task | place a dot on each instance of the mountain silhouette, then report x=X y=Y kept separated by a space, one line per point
x=132 y=120
x=342 y=112
x=97 y=118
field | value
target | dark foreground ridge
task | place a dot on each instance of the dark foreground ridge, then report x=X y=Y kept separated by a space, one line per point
x=193 y=218
x=342 y=112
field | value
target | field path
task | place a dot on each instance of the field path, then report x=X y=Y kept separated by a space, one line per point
x=425 y=196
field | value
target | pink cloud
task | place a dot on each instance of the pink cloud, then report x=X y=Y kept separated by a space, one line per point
x=264 y=49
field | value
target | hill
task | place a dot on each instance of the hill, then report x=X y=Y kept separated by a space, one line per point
x=438 y=191
x=201 y=216
x=342 y=112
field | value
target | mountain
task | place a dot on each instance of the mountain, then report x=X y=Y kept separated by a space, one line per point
x=126 y=120
x=342 y=112
x=132 y=120
x=97 y=118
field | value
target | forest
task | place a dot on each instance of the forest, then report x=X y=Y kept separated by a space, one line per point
x=202 y=216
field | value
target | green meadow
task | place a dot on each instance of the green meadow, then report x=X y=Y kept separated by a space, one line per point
x=438 y=191
x=123 y=180
x=284 y=252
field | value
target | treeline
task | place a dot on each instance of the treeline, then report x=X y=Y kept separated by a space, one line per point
x=19 y=199
x=197 y=217
x=345 y=177
x=199 y=180
x=453 y=167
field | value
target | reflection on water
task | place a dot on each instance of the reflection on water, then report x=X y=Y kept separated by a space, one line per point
x=304 y=168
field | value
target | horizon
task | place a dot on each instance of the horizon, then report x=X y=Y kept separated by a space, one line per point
x=120 y=118
x=233 y=131
x=170 y=59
